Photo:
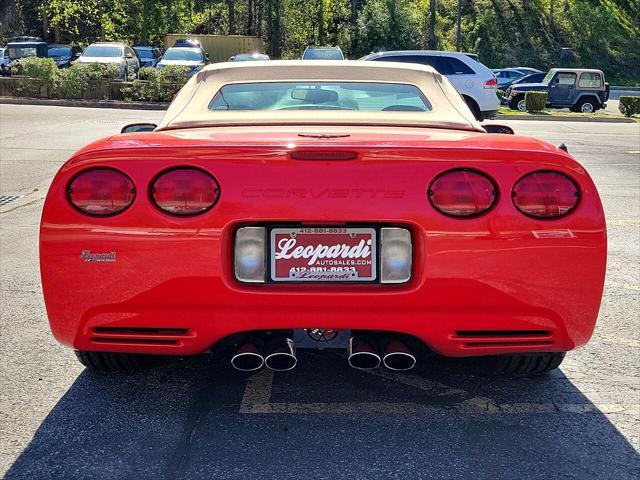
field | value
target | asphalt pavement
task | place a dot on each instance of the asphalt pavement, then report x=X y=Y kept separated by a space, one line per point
x=197 y=418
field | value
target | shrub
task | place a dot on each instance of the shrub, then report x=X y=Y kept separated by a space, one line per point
x=41 y=72
x=535 y=101
x=80 y=77
x=500 y=94
x=629 y=106
x=160 y=86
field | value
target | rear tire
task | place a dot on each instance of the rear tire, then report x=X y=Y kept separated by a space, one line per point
x=536 y=364
x=110 y=362
x=587 y=105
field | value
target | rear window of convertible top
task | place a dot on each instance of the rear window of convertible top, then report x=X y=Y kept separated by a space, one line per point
x=376 y=97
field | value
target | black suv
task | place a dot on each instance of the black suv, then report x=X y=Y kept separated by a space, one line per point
x=579 y=89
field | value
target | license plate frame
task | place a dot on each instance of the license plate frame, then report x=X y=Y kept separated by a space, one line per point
x=367 y=232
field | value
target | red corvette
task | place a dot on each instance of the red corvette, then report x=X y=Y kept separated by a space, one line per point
x=347 y=200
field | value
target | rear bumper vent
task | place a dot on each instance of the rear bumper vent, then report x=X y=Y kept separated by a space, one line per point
x=504 y=338
x=140 y=335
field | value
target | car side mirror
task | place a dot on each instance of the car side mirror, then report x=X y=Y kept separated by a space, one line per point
x=128 y=55
x=494 y=128
x=138 y=127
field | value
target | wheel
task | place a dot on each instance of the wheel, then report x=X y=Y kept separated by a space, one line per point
x=518 y=103
x=535 y=364
x=473 y=106
x=113 y=362
x=587 y=105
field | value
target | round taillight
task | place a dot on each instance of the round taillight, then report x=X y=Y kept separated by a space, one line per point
x=185 y=191
x=101 y=191
x=545 y=194
x=462 y=193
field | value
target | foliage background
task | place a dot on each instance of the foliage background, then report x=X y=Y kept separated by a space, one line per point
x=601 y=33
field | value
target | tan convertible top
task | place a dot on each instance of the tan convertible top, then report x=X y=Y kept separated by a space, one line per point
x=190 y=108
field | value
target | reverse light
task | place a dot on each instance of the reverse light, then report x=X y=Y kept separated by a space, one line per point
x=462 y=193
x=545 y=194
x=185 y=191
x=101 y=191
x=250 y=254
x=491 y=83
x=395 y=255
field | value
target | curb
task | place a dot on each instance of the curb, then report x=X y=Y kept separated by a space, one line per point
x=564 y=119
x=83 y=103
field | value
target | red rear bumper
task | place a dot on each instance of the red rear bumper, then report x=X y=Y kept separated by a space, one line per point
x=498 y=283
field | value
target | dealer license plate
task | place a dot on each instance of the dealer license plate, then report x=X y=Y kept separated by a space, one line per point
x=323 y=254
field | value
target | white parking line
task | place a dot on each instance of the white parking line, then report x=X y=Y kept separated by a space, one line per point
x=257 y=400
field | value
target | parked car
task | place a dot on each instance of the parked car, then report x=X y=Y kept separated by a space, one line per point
x=194 y=58
x=4 y=61
x=149 y=56
x=322 y=53
x=529 y=78
x=475 y=82
x=23 y=46
x=63 y=55
x=248 y=57
x=362 y=195
x=527 y=70
x=187 y=42
x=116 y=53
x=579 y=89
x=507 y=75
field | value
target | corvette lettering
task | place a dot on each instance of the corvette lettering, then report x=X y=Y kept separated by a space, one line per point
x=364 y=193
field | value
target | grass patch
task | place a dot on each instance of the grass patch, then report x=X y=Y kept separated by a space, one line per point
x=558 y=113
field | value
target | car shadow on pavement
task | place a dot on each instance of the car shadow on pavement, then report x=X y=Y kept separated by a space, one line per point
x=197 y=418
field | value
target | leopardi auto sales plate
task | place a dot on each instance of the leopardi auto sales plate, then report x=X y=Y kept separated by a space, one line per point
x=323 y=254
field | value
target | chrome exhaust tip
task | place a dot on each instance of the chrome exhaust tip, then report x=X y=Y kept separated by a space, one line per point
x=397 y=356
x=281 y=355
x=362 y=353
x=247 y=358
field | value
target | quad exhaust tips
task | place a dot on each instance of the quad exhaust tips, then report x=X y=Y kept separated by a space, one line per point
x=397 y=355
x=362 y=353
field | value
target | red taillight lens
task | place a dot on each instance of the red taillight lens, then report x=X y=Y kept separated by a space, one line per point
x=491 y=83
x=101 y=191
x=462 y=193
x=545 y=194
x=185 y=191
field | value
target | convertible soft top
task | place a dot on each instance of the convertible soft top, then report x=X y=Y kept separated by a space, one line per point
x=190 y=108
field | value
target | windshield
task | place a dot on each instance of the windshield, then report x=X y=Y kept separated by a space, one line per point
x=144 y=52
x=185 y=54
x=323 y=54
x=103 y=51
x=248 y=57
x=547 y=78
x=20 y=52
x=321 y=96
x=60 y=52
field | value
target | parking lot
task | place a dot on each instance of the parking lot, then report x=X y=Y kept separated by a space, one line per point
x=198 y=418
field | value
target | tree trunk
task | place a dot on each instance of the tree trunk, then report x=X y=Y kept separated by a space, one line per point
x=250 y=18
x=459 y=27
x=231 y=7
x=431 y=28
